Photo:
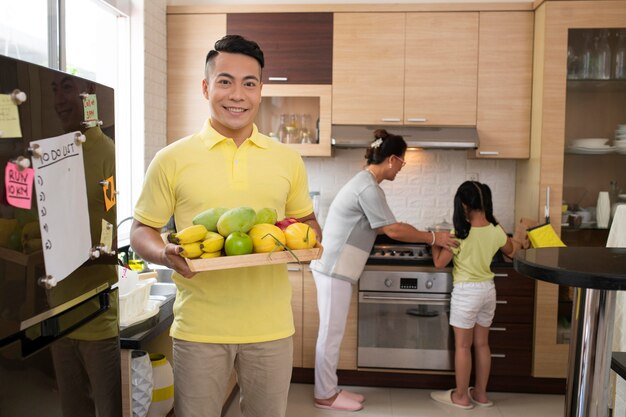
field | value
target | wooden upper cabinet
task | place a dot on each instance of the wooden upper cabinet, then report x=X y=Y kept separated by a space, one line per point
x=440 y=71
x=405 y=68
x=368 y=68
x=297 y=46
x=189 y=38
x=504 y=84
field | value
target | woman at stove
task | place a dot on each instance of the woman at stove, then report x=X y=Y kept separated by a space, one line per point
x=357 y=214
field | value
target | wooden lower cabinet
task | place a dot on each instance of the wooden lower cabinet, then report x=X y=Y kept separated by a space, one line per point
x=310 y=325
x=511 y=335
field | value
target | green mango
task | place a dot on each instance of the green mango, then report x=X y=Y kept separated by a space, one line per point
x=266 y=215
x=240 y=219
x=208 y=218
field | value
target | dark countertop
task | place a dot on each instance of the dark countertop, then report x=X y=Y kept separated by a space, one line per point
x=134 y=336
x=618 y=363
x=582 y=267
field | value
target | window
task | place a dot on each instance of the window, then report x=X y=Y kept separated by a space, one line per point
x=87 y=38
x=24 y=31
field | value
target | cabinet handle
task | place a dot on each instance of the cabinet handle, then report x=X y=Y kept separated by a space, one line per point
x=293 y=268
x=277 y=78
x=501 y=275
x=498 y=355
x=488 y=153
x=501 y=302
x=390 y=119
x=497 y=329
x=417 y=119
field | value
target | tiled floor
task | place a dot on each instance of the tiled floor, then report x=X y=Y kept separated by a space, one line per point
x=398 y=402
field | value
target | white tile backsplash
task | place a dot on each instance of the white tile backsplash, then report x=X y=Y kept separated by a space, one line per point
x=422 y=194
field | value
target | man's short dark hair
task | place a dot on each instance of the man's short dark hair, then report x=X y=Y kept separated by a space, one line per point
x=235 y=44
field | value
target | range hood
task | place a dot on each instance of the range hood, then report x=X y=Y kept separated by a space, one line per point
x=352 y=136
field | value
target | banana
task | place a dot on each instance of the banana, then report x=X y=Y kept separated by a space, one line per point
x=207 y=255
x=212 y=242
x=190 y=234
x=191 y=250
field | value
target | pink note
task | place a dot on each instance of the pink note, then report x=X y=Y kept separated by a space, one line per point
x=18 y=184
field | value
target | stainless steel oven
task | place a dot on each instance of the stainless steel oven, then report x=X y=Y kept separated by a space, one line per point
x=404 y=307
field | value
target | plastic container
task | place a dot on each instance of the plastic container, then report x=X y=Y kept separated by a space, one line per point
x=135 y=300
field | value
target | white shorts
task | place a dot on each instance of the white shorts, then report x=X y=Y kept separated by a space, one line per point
x=473 y=303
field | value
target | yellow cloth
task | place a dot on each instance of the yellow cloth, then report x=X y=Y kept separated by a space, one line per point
x=243 y=305
x=544 y=236
x=472 y=259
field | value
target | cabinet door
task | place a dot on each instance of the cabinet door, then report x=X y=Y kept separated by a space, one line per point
x=368 y=68
x=504 y=84
x=441 y=68
x=189 y=39
x=297 y=46
x=295 y=278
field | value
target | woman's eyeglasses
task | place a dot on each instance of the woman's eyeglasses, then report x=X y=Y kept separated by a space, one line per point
x=401 y=160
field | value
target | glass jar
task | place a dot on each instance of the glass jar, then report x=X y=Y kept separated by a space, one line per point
x=573 y=57
x=282 y=128
x=601 y=59
x=293 y=129
x=585 y=56
x=619 y=65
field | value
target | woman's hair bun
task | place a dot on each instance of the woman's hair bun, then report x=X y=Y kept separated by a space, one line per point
x=380 y=134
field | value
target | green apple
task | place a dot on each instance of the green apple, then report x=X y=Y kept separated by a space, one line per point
x=238 y=243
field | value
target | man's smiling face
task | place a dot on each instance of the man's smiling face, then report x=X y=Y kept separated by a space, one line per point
x=234 y=93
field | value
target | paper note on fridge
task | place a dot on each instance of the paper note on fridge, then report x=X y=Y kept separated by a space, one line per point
x=9 y=118
x=61 y=196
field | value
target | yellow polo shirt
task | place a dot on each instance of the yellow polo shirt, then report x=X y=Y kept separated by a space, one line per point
x=241 y=305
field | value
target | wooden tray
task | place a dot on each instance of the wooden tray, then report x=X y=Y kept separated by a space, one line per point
x=255 y=259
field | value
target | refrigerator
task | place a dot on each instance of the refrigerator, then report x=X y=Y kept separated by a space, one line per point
x=59 y=327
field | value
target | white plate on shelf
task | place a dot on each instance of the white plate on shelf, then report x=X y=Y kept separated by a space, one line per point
x=589 y=142
x=591 y=151
x=151 y=310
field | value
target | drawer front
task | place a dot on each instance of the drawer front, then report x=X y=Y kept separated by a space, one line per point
x=510 y=282
x=510 y=309
x=511 y=335
x=511 y=362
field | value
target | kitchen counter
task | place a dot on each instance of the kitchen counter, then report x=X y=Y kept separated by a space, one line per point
x=136 y=336
x=596 y=273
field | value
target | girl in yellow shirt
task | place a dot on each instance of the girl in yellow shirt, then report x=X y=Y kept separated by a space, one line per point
x=473 y=301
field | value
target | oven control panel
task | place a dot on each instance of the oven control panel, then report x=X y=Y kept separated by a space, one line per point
x=405 y=279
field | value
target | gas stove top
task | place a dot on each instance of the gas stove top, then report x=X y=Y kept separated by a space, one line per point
x=387 y=251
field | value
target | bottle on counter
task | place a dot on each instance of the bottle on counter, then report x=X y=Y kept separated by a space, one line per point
x=282 y=129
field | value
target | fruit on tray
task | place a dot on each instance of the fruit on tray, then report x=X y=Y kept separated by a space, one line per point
x=207 y=255
x=191 y=250
x=300 y=236
x=239 y=219
x=209 y=217
x=286 y=222
x=238 y=243
x=213 y=242
x=190 y=234
x=267 y=238
x=266 y=215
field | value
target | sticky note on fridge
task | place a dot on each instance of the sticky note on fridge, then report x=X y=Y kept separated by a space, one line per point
x=106 y=236
x=9 y=118
x=90 y=108
x=18 y=183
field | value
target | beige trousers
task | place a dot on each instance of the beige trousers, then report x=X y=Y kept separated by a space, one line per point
x=202 y=371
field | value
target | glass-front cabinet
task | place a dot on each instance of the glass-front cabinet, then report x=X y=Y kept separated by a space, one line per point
x=578 y=147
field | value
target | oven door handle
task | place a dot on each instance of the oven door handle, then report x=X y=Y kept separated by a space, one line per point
x=373 y=298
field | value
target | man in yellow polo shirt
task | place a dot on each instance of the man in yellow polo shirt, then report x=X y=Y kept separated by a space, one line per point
x=235 y=318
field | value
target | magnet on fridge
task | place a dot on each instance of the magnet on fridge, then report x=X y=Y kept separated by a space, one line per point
x=108 y=188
